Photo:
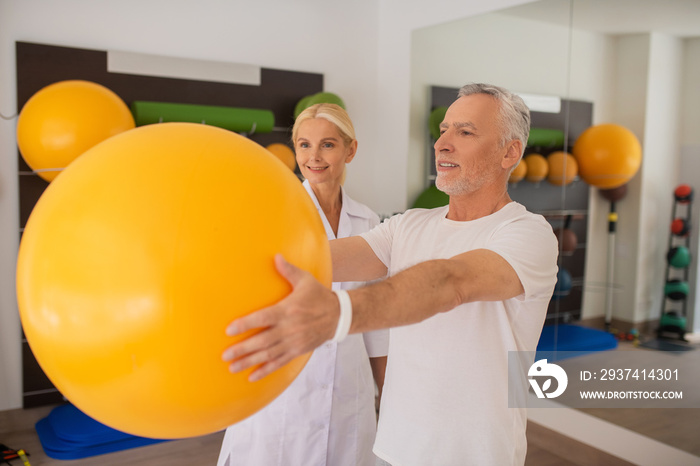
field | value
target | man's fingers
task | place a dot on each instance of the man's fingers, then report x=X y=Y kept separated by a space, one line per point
x=286 y=329
x=266 y=369
x=251 y=345
x=258 y=350
x=258 y=319
x=290 y=272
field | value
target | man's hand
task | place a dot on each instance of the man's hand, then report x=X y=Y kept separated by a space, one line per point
x=297 y=324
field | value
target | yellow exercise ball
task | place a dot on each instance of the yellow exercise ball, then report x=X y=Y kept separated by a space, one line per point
x=608 y=155
x=138 y=256
x=518 y=172
x=64 y=119
x=284 y=153
x=537 y=168
x=562 y=168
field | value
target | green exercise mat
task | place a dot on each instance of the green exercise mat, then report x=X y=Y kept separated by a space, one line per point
x=240 y=120
x=543 y=137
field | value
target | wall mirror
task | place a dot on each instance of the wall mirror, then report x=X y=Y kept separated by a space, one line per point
x=635 y=62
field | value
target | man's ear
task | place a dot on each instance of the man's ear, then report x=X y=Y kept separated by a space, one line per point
x=512 y=155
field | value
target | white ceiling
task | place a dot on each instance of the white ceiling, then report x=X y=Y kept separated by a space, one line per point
x=679 y=18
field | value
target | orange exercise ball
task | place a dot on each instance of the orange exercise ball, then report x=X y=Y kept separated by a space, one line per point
x=64 y=119
x=518 y=172
x=608 y=155
x=537 y=168
x=284 y=153
x=138 y=256
x=562 y=168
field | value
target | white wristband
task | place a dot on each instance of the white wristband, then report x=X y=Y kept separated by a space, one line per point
x=345 y=318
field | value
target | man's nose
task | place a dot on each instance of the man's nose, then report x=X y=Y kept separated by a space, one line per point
x=443 y=142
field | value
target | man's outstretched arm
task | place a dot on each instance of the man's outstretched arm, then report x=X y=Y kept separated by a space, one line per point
x=308 y=316
x=355 y=261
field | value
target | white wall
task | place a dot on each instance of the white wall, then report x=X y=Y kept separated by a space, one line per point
x=361 y=48
x=629 y=105
x=659 y=173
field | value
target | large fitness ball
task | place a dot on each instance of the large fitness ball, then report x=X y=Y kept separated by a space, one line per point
x=537 y=168
x=139 y=255
x=284 y=153
x=608 y=155
x=326 y=98
x=302 y=105
x=562 y=168
x=434 y=121
x=430 y=198
x=318 y=98
x=64 y=119
x=518 y=172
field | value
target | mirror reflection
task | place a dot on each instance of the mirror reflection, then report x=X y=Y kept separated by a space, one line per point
x=635 y=64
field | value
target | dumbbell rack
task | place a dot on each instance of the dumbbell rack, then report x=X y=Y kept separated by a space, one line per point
x=673 y=321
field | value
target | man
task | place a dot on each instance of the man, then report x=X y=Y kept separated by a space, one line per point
x=467 y=284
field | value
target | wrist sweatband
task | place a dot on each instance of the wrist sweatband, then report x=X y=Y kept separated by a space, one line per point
x=345 y=318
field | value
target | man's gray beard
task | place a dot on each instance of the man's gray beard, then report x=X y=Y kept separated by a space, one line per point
x=453 y=188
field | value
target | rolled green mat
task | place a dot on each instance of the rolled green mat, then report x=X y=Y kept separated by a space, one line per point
x=240 y=120
x=543 y=137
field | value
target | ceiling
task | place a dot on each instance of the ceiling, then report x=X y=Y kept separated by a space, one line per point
x=680 y=18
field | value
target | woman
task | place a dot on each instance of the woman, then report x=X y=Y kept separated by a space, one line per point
x=327 y=415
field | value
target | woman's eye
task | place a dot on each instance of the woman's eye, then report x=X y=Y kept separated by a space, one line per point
x=328 y=145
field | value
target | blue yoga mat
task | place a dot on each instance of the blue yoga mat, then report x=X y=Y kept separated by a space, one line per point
x=67 y=433
x=73 y=426
x=572 y=340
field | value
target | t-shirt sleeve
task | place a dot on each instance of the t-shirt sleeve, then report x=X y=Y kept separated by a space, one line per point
x=528 y=244
x=380 y=239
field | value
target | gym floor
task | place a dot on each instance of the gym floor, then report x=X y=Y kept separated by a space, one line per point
x=668 y=431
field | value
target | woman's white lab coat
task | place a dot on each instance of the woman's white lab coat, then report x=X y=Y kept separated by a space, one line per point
x=327 y=415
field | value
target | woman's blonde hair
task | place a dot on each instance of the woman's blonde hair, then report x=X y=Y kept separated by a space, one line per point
x=331 y=112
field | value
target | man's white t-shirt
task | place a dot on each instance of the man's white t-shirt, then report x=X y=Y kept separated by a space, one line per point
x=445 y=399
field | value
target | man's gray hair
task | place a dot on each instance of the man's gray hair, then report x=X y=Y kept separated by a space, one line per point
x=513 y=113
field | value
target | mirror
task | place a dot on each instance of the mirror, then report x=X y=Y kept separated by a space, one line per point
x=636 y=62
